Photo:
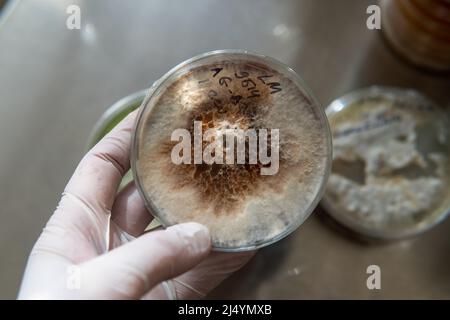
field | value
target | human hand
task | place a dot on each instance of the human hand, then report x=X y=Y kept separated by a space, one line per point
x=94 y=245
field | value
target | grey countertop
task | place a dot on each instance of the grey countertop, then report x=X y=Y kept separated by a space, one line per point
x=55 y=83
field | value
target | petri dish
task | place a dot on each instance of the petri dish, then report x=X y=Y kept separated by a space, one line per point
x=390 y=173
x=113 y=115
x=110 y=118
x=235 y=141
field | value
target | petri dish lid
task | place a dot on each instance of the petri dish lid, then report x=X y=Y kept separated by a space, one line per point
x=246 y=205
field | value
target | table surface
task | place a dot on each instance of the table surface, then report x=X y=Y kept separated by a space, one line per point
x=55 y=83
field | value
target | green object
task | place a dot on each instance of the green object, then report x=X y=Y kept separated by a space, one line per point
x=110 y=118
x=113 y=115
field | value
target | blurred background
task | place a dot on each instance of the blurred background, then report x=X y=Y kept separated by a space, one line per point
x=55 y=83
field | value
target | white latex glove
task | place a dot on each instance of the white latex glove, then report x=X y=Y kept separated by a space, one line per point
x=88 y=248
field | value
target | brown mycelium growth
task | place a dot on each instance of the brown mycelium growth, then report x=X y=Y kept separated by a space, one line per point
x=240 y=206
x=222 y=185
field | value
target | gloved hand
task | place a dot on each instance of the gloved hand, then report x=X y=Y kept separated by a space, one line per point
x=94 y=245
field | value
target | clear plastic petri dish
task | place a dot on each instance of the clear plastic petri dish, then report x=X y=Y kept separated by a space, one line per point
x=113 y=115
x=235 y=141
x=110 y=118
x=390 y=173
